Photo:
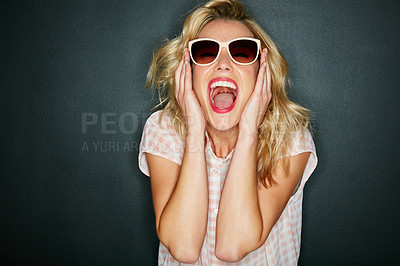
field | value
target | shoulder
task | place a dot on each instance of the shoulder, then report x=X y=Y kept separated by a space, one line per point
x=301 y=141
x=161 y=119
x=160 y=138
x=160 y=124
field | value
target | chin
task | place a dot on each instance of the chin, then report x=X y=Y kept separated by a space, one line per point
x=223 y=122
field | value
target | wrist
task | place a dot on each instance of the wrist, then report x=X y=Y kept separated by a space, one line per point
x=248 y=135
x=195 y=141
x=195 y=134
x=195 y=130
x=248 y=138
x=248 y=127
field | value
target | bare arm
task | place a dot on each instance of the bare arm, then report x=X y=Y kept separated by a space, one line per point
x=180 y=193
x=180 y=198
x=247 y=210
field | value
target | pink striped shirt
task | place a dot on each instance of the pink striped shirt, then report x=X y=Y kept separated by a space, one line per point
x=282 y=246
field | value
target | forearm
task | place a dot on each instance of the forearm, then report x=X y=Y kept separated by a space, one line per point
x=239 y=222
x=183 y=222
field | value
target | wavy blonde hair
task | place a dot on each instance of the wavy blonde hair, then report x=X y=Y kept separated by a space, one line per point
x=282 y=118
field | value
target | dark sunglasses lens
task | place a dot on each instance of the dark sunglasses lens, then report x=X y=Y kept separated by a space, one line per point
x=243 y=51
x=204 y=52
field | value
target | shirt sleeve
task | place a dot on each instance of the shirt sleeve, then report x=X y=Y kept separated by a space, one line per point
x=159 y=138
x=304 y=143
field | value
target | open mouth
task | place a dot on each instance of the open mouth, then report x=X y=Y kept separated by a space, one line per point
x=222 y=94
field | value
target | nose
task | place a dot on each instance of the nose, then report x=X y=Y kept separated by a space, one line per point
x=224 y=62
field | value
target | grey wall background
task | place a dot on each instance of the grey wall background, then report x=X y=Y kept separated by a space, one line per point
x=63 y=203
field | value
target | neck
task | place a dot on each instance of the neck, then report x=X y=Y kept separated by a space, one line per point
x=223 y=141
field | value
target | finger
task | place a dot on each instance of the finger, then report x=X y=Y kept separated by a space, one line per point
x=265 y=92
x=263 y=54
x=268 y=79
x=260 y=78
x=182 y=78
x=265 y=66
x=177 y=79
x=187 y=55
x=188 y=75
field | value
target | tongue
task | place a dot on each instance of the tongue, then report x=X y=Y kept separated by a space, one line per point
x=223 y=100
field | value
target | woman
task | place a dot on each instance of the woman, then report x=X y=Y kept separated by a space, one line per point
x=229 y=154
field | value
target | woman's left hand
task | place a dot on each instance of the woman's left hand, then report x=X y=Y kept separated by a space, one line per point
x=256 y=106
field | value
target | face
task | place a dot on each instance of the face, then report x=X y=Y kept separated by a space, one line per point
x=223 y=111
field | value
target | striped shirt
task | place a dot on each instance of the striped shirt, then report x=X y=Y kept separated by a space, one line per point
x=282 y=246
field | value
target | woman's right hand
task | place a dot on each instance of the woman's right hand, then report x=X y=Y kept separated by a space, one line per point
x=186 y=98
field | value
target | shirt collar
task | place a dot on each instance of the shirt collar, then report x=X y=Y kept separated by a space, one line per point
x=209 y=149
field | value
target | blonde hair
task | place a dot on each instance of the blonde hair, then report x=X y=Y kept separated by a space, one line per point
x=282 y=118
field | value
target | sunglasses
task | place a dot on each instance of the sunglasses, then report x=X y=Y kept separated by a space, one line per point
x=242 y=51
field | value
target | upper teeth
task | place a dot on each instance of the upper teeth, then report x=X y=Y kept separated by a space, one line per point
x=223 y=84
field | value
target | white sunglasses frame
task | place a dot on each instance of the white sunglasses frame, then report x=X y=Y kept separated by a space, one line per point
x=226 y=45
